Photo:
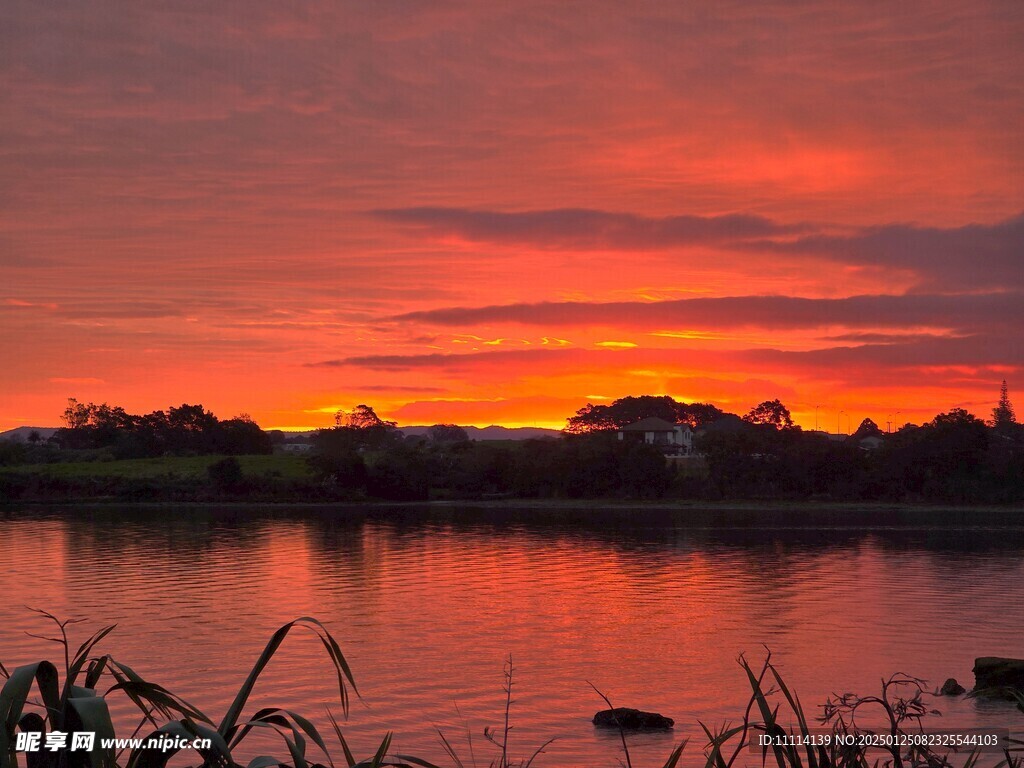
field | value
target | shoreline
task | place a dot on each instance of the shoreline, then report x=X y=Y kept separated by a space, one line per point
x=747 y=514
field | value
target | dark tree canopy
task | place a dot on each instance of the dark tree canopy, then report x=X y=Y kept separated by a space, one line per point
x=361 y=417
x=628 y=410
x=770 y=412
x=447 y=433
x=867 y=428
x=956 y=417
x=182 y=430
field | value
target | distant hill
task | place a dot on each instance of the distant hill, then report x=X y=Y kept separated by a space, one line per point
x=22 y=433
x=493 y=432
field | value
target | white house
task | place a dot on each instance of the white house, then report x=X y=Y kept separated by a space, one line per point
x=675 y=439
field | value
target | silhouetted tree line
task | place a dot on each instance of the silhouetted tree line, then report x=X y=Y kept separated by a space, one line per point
x=365 y=454
x=187 y=430
x=421 y=468
x=954 y=458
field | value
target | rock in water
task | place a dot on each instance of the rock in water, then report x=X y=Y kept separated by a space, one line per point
x=952 y=688
x=995 y=672
x=632 y=719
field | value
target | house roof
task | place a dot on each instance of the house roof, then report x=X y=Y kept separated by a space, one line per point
x=727 y=422
x=650 y=424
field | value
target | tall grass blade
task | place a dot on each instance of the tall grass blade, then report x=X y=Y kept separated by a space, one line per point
x=95 y=671
x=416 y=761
x=449 y=749
x=673 y=759
x=31 y=723
x=14 y=695
x=295 y=748
x=794 y=704
x=349 y=758
x=622 y=733
x=280 y=717
x=80 y=659
x=89 y=714
x=762 y=704
x=382 y=751
x=234 y=712
x=218 y=756
x=715 y=757
x=159 y=697
x=538 y=751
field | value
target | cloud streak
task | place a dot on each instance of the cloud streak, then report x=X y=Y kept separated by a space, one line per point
x=585 y=229
x=963 y=313
x=972 y=257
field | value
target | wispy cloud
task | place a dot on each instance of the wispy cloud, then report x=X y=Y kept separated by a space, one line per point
x=584 y=229
x=961 y=312
x=974 y=257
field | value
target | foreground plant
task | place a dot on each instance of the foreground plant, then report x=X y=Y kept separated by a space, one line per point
x=901 y=704
x=79 y=705
x=500 y=740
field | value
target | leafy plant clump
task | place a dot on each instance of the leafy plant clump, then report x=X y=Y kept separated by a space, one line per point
x=900 y=707
x=78 y=704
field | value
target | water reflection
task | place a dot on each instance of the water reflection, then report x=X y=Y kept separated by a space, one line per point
x=427 y=608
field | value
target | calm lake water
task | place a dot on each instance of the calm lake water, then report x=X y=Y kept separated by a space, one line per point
x=427 y=612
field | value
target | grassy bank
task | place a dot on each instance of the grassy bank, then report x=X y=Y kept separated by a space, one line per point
x=186 y=467
x=288 y=480
x=198 y=479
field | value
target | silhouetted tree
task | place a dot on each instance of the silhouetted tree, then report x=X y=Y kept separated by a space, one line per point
x=867 y=428
x=361 y=417
x=1003 y=415
x=770 y=412
x=447 y=433
x=628 y=410
x=591 y=418
x=76 y=415
x=240 y=437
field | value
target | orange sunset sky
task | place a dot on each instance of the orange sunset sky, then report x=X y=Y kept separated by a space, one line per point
x=496 y=212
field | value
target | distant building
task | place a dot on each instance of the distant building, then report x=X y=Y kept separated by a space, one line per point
x=297 y=447
x=673 y=439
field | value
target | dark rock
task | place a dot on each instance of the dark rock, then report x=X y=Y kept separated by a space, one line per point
x=632 y=719
x=951 y=688
x=994 y=675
